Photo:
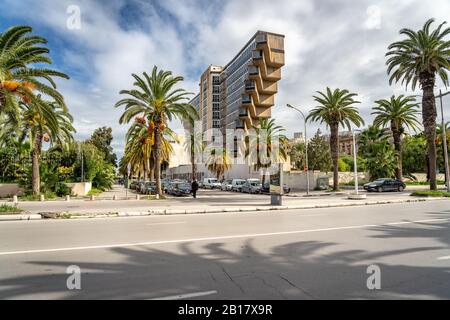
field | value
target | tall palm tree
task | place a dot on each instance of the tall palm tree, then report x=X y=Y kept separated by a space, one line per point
x=156 y=99
x=19 y=80
x=218 y=162
x=418 y=59
x=336 y=109
x=398 y=113
x=193 y=145
x=45 y=121
x=260 y=147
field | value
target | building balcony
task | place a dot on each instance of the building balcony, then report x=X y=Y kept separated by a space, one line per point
x=240 y=124
x=243 y=112
x=246 y=99
x=250 y=85
x=253 y=70
x=261 y=38
x=257 y=55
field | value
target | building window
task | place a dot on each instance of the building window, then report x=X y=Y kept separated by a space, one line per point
x=216 y=98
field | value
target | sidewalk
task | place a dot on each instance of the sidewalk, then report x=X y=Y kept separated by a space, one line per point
x=210 y=201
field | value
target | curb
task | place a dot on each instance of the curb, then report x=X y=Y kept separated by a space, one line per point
x=19 y=217
x=348 y=203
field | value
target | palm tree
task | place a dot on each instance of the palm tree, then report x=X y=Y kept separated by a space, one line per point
x=336 y=109
x=218 y=162
x=268 y=138
x=155 y=98
x=399 y=113
x=18 y=80
x=193 y=145
x=45 y=121
x=418 y=59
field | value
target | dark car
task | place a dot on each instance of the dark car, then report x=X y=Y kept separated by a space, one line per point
x=179 y=189
x=266 y=188
x=133 y=185
x=149 y=188
x=387 y=184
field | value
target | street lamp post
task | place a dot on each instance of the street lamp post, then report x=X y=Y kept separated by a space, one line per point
x=444 y=141
x=355 y=162
x=306 y=147
x=356 y=195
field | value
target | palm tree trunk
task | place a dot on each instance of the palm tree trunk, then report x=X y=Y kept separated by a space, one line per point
x=35 y=175
x=429 y=115
x=194 y=166
x=396 y=133
x=158 y=159
x=334 y=146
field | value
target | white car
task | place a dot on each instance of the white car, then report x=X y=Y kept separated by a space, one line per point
x=211 y=183
x=226 y=185
x=236 y=184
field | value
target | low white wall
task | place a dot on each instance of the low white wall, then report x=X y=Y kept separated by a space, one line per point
x=80 y=188
x=10 y=189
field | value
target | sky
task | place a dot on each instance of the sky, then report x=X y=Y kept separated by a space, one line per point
x=334 y=43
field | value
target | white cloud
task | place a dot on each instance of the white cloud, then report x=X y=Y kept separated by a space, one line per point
x=373 y=20
x=328 y=43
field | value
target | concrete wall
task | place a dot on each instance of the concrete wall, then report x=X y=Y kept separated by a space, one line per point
x=80 y=189
x=10 y=189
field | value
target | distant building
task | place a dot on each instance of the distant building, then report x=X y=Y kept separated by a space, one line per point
x=298 y=138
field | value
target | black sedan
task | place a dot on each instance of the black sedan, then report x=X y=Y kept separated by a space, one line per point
x=382 y=185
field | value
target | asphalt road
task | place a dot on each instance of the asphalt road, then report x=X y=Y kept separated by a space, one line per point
x=307 y=254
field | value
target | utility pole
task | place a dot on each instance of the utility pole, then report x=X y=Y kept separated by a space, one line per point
x=306 y=147
x=444 y=141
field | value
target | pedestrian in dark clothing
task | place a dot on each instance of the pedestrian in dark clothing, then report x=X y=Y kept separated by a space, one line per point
x=194 y=188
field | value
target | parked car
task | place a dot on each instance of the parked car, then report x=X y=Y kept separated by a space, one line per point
x=387 y=184
x=140 y=186
x=236 y=184
x=251 y=186
x=149 y=188
x=227 y=185
x=179 y=189
x=133 y=184
x=211 y=183
x=266 y=188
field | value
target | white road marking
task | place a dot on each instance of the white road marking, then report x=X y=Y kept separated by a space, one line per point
x=162 y=223
x=123 y=245
x=187 y=295
x=444 y=258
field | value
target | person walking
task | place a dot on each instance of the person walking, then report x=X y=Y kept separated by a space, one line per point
x=194 y=188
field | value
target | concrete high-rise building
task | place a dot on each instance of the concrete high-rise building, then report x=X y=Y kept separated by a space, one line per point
x=237 y=95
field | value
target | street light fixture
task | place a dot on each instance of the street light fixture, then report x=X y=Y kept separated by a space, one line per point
x=306 y=147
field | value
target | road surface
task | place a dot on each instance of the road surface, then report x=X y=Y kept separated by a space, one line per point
x=307 y=254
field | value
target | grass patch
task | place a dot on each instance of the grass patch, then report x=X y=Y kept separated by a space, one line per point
x=423 y=183
x=94 y=192
x=7 y=209
x=431 y=193
x=32 y=197
x=153 y=197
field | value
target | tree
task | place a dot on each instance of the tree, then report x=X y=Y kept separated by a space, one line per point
x=399 y=113
x=377 y=152
x=268 y=143
x=414 y=154
x=298 y=154
x=19 y=81
x=45 y=121
x=102 y=138
x=193 y=145
x=336 y=109
x=218 y=162
x=155 y=98
x=418 y=59
x=319 y=153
